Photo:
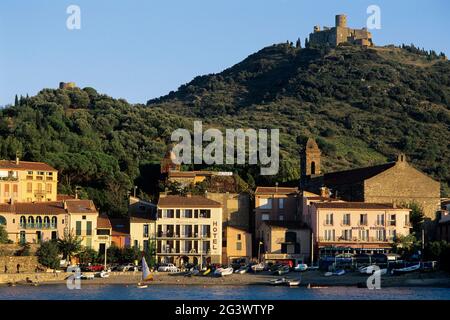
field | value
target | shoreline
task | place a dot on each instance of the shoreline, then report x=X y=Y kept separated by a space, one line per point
x=314 y=278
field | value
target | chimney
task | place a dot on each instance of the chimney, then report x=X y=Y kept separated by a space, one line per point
x=17 y=160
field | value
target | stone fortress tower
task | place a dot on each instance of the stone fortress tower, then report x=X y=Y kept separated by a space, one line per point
x=340 y=33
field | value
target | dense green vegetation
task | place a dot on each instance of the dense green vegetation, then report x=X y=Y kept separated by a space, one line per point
x=362 y=105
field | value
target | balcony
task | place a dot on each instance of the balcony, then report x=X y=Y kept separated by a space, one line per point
x=353 y=239
x=170 y=235
x=173 y=251
x=328 y=223
x=36 y=226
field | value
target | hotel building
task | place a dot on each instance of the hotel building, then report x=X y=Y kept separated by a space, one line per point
x=23 y=181
x=354 y=227
x=189 y=230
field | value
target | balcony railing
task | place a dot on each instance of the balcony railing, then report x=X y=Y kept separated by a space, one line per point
x=38 y=225
x=183 y=251
x=328 y=223
x=181 y=236
x=354 y=239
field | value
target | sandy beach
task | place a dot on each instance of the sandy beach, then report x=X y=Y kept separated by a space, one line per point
x=313 y=278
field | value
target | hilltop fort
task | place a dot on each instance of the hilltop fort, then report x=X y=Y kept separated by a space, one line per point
x=340 y=34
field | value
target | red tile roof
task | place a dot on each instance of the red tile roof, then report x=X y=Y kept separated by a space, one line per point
x=276 y=190
x=50 y=208
x=26 y=165
x=103 y=222
x=80 y=206
x=62 y=197
x=354 y=205
x=187 y=202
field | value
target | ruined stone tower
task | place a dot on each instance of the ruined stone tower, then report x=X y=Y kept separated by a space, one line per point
x=310 y=162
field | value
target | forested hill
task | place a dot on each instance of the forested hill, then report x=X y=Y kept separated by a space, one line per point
x=362 y=105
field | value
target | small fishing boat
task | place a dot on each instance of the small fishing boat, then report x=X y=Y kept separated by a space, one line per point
x=301 y=267
x=339 y=272
x=328 y=274
x=406 y=270
x=278 y=282
x=243 y=270
x=258 y=267
x=369 y=270
x=282 y=270
x=223 y=272
x=146 y=275
x=208 y=271
x=294 y=282
x=104 y=274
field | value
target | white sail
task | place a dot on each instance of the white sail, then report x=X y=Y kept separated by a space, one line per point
x=146 y=275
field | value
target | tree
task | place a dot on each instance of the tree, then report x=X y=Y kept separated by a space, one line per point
x=298 y=44
x=48 y=254
x=24 y=251
x=88 y=255
x=306 y=43
x=70 y=245
x=416 y=218
x=3 y=235
x=404 y=245
x=16 y=101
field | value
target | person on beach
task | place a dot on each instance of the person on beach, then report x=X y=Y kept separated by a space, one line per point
x=6 y=268
x=18 y=268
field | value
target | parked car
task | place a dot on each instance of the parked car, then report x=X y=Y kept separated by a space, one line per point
x=95 y=268
x=127 y=267
x=168 y=268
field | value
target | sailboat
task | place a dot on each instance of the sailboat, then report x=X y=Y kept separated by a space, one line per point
x=146 y=275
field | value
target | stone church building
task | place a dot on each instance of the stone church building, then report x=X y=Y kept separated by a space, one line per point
x=395 y=182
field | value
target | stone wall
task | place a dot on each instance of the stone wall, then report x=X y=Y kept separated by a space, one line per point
x=27 y=264
x=35 y=277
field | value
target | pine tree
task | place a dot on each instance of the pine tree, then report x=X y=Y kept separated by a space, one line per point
x=298 y=44
x=16 y=101
x=306 y=43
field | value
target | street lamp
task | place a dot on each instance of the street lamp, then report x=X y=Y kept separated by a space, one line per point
x=134 y=191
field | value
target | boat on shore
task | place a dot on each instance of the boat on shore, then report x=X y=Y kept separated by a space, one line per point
x=406 y=269
x=221 y=272
x=258 y=267
x=278 y=282
x=294 y=282
x=370 y=270
x=301 y=267
x=282 y=270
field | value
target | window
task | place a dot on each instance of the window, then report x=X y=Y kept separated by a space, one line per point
x=170 y=213
x=145 y=243
x=363 y=235
x=265 y=203
x=83 y=217
x=89 y=228
x=239 y=246
x=329 y=219
x=78 y=228
x=145 y=230
x=54 y=222
x=407 y=223
x=392 y=235
x=363 y=219
x=49 y=188
x=136 y=244
x=239 y=237
x=205 y=213
x=381 y=235
x=346 y=220
x=29 y=187
x=265 y=217
x=177 y=213
x=280 y=203
x=380 y=219
x=159 y=213
x=392 y=220
x=347 y=234
x=281 y=217
x=329 y=235
x=3 y=221
x=188 y=213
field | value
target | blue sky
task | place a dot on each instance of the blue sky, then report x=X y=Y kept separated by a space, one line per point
x=138 y=49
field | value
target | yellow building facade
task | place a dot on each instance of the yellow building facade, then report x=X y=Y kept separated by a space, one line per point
x=23 y=181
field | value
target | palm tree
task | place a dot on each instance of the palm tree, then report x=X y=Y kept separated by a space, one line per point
x=69 y=245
